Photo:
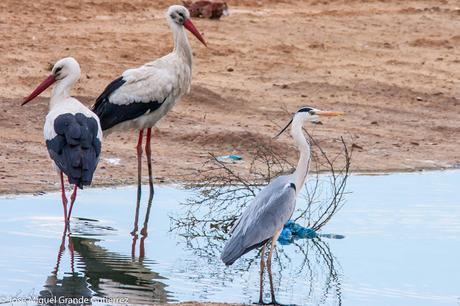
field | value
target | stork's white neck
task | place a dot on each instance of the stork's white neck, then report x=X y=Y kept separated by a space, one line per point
x=181 y=44
x=304 y=148
x=61 y=90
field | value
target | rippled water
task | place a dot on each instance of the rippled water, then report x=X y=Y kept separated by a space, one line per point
x=401 y=248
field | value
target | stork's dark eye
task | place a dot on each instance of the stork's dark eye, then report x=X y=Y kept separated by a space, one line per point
x=180 y=14
x=58 y=69
x=173 y=16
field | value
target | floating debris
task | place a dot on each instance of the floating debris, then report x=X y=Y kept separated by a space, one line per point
x=293 y=231
x=232 y=158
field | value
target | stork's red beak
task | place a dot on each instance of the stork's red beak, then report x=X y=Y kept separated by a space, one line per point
x=44 y=85
x=189 y=26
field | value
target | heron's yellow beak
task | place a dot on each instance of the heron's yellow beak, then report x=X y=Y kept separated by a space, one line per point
x=329 y=114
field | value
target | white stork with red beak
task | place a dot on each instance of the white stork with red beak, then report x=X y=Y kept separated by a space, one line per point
x=72 y=132
x=141 y=96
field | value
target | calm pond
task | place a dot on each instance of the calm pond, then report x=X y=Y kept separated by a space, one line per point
x=401 y=247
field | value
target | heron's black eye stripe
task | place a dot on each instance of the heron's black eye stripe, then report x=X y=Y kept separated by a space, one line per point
x=305 y=110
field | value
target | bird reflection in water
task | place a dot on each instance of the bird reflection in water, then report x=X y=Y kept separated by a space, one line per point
x=311 y=263
x=144 y=230
x=72 y=286
x=97 y=273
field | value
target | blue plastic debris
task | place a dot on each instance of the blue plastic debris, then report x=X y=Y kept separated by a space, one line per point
x=293 y=231
x=285 y=236
x=331 y=236
x=232 y=158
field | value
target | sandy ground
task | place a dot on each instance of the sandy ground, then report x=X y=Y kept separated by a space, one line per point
x=392 y=66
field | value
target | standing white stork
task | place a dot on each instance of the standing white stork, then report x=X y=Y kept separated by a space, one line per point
x=261 y=223
x=142 y=96
x=72 y=132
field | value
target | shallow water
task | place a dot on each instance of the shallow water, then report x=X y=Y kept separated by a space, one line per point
x=401 y=248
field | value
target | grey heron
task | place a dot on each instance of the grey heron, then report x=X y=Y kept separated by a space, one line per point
x=262 y=221
x=72 y=132
x=141 y=96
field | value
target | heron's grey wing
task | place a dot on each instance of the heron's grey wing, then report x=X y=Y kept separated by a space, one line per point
x=262 y=197
x=263 y=218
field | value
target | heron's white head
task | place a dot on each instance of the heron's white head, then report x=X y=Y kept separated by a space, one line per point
x=308 y=114
x=178 y=16
x=65 y=70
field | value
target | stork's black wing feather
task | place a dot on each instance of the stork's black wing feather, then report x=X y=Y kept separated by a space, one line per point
x=111 y=114
x=104 y=96
x=75 y=149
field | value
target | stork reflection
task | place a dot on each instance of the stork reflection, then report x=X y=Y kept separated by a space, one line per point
x=72 y=287
x=94 y=272
x=144 y=230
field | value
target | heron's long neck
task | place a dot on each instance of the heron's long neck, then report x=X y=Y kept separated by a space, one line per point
x=61 y=92
x=304 y=148
x=182 y=46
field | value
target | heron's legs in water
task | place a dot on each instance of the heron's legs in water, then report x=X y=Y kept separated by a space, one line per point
x=64 y=199
x=73 y=197
x=262 y=268
x=139 y=179
x=269 y=266
x=148 y=151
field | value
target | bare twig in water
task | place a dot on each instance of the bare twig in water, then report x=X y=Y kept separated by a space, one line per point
x=224 y=190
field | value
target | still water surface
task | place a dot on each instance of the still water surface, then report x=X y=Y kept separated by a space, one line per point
x=402 y=247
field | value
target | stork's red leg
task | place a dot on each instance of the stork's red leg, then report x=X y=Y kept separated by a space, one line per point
x=139 y=159
x=139 y=179
x=73 y=197
x=64 y=199
x=148 y=151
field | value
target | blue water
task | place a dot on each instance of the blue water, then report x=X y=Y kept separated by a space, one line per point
x=402 y=247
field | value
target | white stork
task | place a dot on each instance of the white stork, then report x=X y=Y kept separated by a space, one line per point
x=72 y=132
x=142 y=96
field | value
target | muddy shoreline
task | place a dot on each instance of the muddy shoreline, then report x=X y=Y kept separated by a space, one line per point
x=398 y=85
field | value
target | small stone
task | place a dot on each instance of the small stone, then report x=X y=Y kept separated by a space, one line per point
x=374 y=122
x=419 y=99
x=357 y=146
x=230 y=69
